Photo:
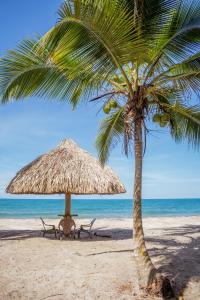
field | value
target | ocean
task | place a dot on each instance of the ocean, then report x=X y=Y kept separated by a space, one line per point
x=101 y=208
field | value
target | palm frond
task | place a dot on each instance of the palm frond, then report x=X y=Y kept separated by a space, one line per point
x=185 y=124
x=178 y=37
x=110 y=132
x=184 y=120
x=32 y=70
x=183 y=76
x=103 y=34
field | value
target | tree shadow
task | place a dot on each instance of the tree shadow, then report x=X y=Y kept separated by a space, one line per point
x=101 y=234
x=177 y=253
x=19 y=234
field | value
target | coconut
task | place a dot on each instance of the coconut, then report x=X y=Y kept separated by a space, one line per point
x=165 y=117
x=113 y=103
x=106 y=108
x=157 y=118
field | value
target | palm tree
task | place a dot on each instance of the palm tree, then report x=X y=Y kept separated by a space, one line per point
x=139 y=59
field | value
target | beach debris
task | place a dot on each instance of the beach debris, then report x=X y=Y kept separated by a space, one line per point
x=102 y=235
x=54 y=295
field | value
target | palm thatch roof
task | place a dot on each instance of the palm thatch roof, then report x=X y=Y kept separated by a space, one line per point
x=66 y=169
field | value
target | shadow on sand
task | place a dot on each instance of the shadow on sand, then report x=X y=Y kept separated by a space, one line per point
x=177 y=252
x=100 y=234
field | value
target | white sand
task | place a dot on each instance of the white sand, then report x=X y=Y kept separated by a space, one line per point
x=33 y=267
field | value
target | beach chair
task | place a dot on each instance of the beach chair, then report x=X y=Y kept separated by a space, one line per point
x=49 y=229
x=87 y=228
x=67 y=227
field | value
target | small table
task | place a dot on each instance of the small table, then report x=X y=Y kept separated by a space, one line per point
x=75 y=215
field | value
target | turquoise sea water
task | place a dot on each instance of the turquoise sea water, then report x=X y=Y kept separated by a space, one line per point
x=103 y=208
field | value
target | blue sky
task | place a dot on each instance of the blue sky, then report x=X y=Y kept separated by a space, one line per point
x=34 y=126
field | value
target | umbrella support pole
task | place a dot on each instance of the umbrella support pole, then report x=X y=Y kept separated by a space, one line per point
x=68 y=204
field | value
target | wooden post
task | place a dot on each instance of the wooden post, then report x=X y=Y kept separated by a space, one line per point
x=68 y=204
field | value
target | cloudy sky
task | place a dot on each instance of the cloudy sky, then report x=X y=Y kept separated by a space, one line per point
x=31 y=127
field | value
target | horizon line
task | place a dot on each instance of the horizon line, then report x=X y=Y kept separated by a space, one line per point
x=186 y=198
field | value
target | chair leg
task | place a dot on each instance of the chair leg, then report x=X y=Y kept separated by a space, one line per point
x=88 y=232
x=60 y=237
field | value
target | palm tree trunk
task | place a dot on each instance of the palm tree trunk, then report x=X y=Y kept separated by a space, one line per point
x=148 y=275
x=141 y=253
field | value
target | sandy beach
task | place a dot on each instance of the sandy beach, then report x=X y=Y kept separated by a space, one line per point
x=33 y=267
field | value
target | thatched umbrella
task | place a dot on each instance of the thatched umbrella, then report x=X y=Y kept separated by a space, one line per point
x=67 y=169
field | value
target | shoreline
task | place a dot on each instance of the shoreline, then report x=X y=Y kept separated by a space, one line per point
x=148 y=222
x=100 y=218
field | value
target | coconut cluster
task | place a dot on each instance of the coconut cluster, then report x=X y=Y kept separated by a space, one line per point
x=112 y=104
x=162 y=119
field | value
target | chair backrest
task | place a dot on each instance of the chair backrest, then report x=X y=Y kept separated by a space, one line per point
x=43 y=223
x=67 y=224
x=92 y=222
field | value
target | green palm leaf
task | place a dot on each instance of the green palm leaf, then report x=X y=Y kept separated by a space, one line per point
x=103 y=33
x=186 y=124
x=32 y=70
x=184 y=119
x=110 y=132
x=177 y=38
